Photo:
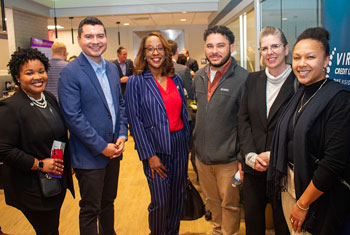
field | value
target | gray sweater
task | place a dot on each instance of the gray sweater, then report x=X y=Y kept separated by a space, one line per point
x=215 y=133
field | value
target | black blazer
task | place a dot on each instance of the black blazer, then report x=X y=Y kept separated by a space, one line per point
x=192 y=64
x=25 y=135
x=128 y=72
x=255 y=131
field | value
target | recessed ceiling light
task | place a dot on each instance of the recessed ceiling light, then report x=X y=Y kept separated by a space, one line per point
x=126 y=23
x=53 y=27
x=184 y=12
x=183 y=20
x=284 y=18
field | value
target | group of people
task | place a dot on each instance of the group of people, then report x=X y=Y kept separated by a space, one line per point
x=285 y=129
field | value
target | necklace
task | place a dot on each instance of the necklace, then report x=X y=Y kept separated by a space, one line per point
x=41 y=103
x=302 y=98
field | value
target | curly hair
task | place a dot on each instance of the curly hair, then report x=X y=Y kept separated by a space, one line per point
x=22 y=56
x=141 y=63
x=221 y=29
x=319 y=34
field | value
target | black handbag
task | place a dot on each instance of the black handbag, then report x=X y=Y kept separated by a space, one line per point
x=50 y=186
x=193 y=204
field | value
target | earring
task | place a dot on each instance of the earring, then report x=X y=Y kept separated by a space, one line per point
x=144 y=58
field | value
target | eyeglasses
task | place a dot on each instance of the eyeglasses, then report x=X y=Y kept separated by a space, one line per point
x=152 y=49
x=273 y=47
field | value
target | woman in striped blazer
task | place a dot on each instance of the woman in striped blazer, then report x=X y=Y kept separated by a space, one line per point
x=156 y=109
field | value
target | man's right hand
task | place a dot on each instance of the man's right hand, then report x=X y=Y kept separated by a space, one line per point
x=110 y=151
x=156 y=166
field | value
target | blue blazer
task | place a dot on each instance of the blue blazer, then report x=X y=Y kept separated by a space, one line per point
x=86 y=112
x=147 y=116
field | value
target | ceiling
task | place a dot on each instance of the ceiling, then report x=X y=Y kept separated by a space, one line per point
x=135 y=12
x=154 y=19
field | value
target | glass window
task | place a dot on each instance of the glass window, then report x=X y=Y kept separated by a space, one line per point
x=234 y=26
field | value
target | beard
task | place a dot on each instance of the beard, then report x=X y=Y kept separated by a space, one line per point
x=223 y=61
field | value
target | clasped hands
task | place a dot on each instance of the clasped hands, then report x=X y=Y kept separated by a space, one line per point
x=262 y=161
x=114 y=150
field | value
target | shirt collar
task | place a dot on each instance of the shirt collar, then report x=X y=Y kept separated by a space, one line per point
x=95 y=65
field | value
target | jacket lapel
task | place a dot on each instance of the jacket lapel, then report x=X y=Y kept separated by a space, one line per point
x=112 y=79
x=151 y=84
x=287 y=90
x=90 y=73
x=261 y=97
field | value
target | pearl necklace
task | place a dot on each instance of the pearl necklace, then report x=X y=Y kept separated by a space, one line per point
x=41 y=103
x=302 y=98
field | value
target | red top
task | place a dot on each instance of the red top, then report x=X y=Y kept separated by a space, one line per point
x=173 y=104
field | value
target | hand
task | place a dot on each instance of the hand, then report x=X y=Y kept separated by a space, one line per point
x=297 y=218
x=241 y=172
x=110 y=150
x=119 y=147
x=157 y=166
x=261 y=162
x=124 y=79
x=54 y=166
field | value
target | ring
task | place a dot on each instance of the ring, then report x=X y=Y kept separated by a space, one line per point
x=291 y=220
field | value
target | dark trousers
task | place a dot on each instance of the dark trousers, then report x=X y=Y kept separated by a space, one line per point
x=98 y=190
x=44 y=222
x=167 y=195
x=255 y=200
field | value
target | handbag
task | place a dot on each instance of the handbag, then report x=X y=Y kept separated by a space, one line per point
x=50 y=186
x=193 y=204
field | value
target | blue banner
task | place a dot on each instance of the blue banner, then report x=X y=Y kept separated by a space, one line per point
x=336 y=19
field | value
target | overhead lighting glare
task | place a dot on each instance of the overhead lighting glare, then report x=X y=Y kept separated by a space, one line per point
x=183 y=20
x=184 y=12
x=126 y=24
x=284 y=18
x=53 y=27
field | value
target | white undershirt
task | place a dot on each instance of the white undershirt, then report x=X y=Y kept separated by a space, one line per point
x=273 y=86
x=212 y=74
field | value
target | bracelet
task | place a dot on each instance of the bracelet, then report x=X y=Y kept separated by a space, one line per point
x=302 y=208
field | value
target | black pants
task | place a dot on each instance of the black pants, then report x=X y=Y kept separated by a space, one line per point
x=98 y=190
x=44 y=222
x=255 y=200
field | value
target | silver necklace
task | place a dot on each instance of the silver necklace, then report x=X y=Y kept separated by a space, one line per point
x=41 y=103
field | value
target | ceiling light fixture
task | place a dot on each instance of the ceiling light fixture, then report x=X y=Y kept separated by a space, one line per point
x=53 y=27
x=71 y=28
x=183 y=20
x=126 y=24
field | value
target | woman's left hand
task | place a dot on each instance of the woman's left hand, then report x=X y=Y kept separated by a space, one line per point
x=52 y=165
x=297 y=218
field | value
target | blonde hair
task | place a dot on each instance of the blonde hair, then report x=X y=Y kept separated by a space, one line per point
x=58 y=48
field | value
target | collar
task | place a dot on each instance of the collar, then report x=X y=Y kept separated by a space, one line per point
x=95 y=65
x=222 y=70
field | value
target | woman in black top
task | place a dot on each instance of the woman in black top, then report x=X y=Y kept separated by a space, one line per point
x=30 y=122
x=310 y=149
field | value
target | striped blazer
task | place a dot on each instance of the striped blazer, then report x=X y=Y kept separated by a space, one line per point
x=147 y=116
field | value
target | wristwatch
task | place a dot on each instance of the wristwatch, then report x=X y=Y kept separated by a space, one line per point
x=40 y=165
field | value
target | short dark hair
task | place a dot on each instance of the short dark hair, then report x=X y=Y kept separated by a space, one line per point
x=319 y=34
x=92 y=21
x=173 y=46
x=120 y=50
x=22 y=56
x=182 y=59
x=221 y=29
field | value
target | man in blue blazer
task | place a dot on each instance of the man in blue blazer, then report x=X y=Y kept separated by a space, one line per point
x=93 y=107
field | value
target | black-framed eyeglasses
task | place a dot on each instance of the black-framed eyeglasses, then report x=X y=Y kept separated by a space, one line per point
x=273 y=47
x=152 y=49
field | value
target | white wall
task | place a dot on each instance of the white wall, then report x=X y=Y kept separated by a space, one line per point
x=193 y=40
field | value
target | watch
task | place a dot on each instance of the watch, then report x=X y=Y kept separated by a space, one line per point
x=40 y=165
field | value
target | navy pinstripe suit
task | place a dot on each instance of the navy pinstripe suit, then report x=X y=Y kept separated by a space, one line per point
x=150 y=128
